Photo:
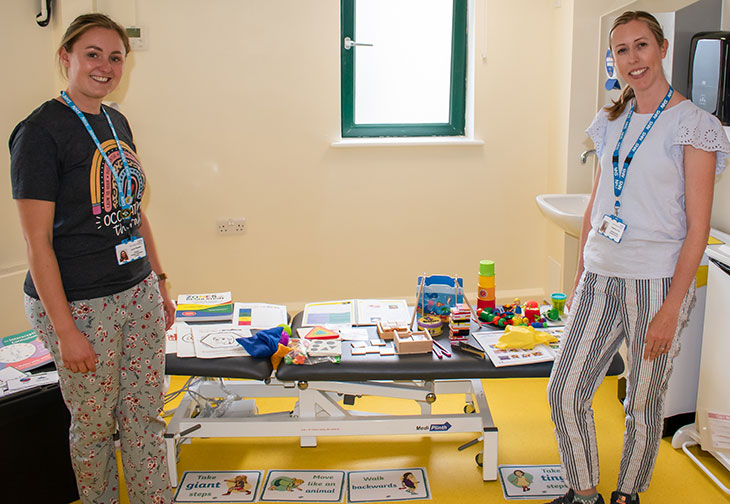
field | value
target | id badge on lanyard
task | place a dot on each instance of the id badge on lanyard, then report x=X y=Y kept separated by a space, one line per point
x=130 y=250
x=612 y=227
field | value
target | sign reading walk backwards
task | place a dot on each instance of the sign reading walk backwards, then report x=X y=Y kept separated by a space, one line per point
x=388 y=485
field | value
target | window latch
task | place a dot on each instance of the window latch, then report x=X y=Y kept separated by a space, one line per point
x=349 y=44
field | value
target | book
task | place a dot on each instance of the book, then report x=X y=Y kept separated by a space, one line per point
x=212 y=307
x=501 y=358
x=351 y=312
x=23 y=351
x=259 y=315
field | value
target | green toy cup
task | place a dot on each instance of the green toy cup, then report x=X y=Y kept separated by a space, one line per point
x=558 y=300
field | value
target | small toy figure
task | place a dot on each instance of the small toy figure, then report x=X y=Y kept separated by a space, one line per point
x=239 y=484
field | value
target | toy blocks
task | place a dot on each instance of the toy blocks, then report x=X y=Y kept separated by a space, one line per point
x=386 y=330
x=412 y=342
x=459 y=323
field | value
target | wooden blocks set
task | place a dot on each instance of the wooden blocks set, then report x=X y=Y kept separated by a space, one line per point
x=413 y=342
x=386 y=330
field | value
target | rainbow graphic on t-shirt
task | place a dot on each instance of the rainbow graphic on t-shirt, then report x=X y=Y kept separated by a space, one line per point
x=103 y=186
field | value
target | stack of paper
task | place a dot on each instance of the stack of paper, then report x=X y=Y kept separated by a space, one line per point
x=209 y=341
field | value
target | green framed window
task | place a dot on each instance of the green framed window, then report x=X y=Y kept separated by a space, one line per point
x=403 y=67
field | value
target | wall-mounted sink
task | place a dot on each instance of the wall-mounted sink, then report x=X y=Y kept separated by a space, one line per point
x=565 y=210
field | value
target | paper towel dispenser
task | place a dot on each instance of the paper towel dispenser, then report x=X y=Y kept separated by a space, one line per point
x=709 y=73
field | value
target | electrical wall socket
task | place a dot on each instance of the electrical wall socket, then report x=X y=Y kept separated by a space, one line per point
x=231 y=226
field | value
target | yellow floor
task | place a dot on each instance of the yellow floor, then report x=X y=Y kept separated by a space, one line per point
x=520 y=411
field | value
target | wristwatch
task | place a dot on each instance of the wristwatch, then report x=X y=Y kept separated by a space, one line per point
x=161 y=276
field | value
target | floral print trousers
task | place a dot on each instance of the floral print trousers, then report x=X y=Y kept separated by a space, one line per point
x=127 y=331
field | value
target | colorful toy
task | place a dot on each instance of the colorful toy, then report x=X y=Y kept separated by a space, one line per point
x=430 y=323
x=553 y=314
x=321 y=333
x=459 y=323
x=437 y=294
x=558 y=301
x=532 y=311
x=508 y=315
x=486 y=287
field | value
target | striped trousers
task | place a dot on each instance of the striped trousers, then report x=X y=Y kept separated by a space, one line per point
x=605 y=312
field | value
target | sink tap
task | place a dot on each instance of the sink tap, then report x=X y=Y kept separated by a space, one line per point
x=584 y=155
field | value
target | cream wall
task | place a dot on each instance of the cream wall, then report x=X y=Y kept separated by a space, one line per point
x=235 y=106
x=27 y=80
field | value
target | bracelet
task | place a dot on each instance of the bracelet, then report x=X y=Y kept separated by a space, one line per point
x=161 y=277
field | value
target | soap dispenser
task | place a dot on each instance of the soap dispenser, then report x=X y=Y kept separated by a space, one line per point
x=709 y=73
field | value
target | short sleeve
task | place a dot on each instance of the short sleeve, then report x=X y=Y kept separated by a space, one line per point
x=702 y=131
x=597 y=131
x=33 y=163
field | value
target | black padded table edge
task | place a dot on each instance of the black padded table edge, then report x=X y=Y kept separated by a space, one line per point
x=227 y=367
x=461 y=365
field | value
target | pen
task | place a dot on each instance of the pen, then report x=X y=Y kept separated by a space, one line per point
x=446 y=352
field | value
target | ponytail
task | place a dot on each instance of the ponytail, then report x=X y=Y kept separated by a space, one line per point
x=618 y=107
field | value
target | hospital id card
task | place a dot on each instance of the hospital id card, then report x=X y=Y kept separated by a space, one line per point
x=612 y=228
x=130 y=250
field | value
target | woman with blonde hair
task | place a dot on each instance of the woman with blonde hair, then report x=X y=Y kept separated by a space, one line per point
x=644 y=233
x=95 y=292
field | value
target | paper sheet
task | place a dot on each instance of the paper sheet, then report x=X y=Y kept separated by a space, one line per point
x=219 y=340
x=259 y=315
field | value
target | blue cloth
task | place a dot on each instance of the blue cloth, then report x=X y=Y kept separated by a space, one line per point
x=262 y=344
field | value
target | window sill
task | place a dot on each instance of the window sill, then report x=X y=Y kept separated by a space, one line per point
x=405 y=141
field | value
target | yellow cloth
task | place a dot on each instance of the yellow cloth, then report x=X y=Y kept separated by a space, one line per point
x=279 y=354
x=523 y=338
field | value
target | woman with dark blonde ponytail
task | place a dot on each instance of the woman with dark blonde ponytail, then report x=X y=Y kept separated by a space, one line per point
x=95 y=291
x=644 y=233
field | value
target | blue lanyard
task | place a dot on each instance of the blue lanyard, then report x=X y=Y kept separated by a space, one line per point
x=125 y=198
x=619 y=176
